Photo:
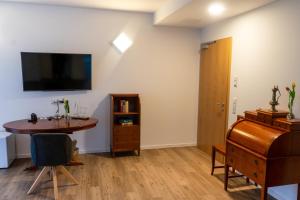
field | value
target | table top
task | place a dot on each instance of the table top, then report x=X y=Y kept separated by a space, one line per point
x=50 y=126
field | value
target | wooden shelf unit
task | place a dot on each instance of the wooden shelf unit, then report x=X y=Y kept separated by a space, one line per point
x=125 y=137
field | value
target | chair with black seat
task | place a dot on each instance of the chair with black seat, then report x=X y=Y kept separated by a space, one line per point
x=51 y=151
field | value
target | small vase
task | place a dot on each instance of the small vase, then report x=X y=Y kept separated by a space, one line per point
x=291 y=114
x=67 y=117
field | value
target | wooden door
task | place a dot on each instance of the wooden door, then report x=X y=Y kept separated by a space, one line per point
x=215 y=62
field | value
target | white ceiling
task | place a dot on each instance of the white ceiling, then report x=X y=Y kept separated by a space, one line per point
x=195 y=12
x=127 y=5
x=188 y=13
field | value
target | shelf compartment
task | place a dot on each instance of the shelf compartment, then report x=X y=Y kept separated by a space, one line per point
x=134 y=106
x=126 y=113
x=134 y=118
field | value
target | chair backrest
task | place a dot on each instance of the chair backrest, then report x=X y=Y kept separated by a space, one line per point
x=51 y=149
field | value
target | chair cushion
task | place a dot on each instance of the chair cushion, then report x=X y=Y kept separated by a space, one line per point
x=220 y=148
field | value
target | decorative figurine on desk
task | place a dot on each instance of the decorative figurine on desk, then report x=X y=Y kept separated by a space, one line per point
x=274 y=101
x=292 y=95
x=33 y=118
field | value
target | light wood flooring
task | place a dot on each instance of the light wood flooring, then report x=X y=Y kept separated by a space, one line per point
x=171 y=174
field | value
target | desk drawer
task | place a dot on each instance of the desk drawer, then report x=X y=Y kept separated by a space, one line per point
x=126 y=136
x=280 y=124
x=247 y=163
x=127 y=133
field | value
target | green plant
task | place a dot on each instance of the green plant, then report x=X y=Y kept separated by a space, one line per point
x=66 y=106
x=292 y=95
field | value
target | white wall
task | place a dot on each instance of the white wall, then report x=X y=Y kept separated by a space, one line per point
x=162 y=66
x=266 y=48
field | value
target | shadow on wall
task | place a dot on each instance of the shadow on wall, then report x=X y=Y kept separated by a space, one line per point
x=98 y=138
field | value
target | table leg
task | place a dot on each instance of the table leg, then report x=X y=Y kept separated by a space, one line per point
x=226 y=176
x=75 y=160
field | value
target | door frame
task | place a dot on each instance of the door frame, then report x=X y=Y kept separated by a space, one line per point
x=203 y=45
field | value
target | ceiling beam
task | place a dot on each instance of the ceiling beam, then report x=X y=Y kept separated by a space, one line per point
x=168 y=9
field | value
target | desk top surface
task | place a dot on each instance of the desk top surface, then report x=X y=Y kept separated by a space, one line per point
x=50 y=126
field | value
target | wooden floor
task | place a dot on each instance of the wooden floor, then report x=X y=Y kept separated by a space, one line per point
x=171 y=174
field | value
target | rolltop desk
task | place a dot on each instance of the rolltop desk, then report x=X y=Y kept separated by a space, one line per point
x=265 y=147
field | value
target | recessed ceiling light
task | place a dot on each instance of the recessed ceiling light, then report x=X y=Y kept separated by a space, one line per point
x=122 y=42
x=216 y=9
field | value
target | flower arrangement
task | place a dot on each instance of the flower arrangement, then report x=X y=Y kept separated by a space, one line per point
x=66 y=106
x=67 y=109
x=292 y=95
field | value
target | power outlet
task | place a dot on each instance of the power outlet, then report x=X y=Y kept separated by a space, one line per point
x=235 y=82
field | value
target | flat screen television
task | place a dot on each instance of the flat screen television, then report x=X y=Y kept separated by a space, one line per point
x=56 y=71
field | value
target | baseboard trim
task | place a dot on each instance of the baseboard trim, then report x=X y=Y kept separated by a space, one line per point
x=104 y=150
x=24 y=155
x=84 y=151
x=164 y=146
x=100 y=150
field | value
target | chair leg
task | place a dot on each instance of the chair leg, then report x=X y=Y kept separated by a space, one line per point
x=68 y=174
x=213 y=159
x=226 y=177
x=38 y=179
x=233 y=170
x=55 y=183
x=247 y=180
x=139 y=152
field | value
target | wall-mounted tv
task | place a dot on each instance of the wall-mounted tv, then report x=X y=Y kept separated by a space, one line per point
x=56 y=71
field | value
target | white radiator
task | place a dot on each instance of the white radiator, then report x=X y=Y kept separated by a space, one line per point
x=7 y=149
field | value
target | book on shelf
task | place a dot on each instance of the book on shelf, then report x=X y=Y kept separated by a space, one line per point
x=126 y=122
x=124 y=106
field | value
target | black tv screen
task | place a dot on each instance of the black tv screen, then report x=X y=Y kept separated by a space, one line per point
x=56 y=71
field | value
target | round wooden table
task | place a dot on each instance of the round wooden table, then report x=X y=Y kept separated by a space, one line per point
x=51 y=126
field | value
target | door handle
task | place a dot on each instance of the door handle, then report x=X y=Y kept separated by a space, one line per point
x=222 y=106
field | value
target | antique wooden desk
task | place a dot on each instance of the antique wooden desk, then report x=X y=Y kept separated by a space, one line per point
x=265 y=147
